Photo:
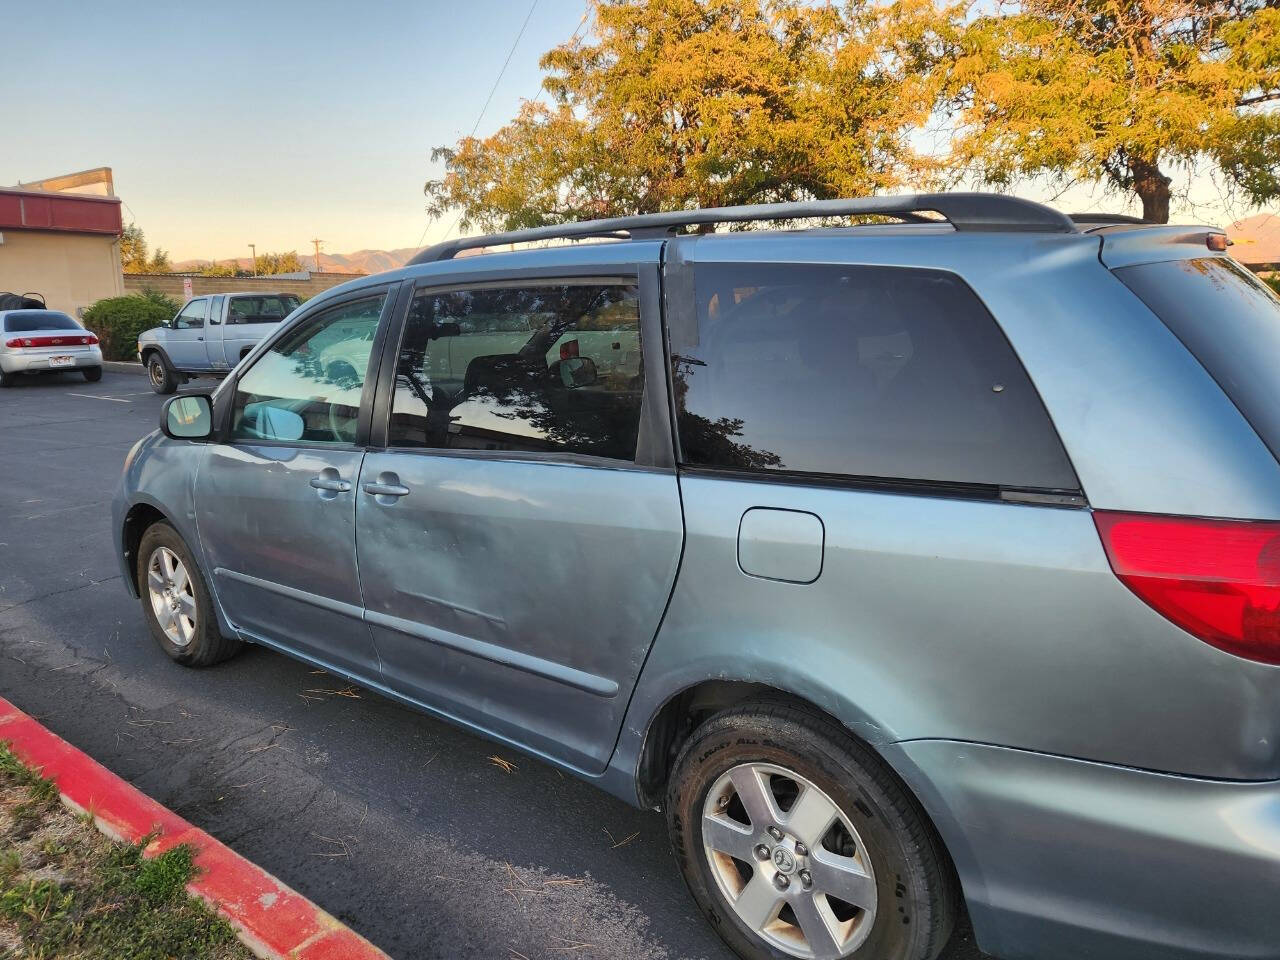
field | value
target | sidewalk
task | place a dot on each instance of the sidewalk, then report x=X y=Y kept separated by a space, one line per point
x=272 y=920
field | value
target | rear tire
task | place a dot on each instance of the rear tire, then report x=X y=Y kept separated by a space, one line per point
x=874 y=885
x=92 y=374
x=163 y=379
x=176 y=602
x=7 y=379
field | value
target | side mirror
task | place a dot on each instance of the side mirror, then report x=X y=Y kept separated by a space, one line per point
x=189 y=417
x=577 y=372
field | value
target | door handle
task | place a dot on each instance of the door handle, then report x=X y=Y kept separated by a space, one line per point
x=332 y=483
x=381 y=489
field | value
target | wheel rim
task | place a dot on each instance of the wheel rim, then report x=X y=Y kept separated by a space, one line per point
x=157 y=372
x=788 y=861
x=173 y=599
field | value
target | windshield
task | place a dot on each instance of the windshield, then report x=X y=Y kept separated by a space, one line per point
x=269 y=308
x=27 y=321
x=1230 y=321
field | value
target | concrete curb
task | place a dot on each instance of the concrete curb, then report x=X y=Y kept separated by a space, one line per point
x=124 y=366
x=272 y=920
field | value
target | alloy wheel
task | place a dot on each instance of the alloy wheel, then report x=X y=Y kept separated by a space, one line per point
x=172 y=596
x=789 y=862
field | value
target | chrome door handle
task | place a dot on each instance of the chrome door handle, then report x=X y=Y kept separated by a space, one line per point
x=385 y=489
x=330 y=483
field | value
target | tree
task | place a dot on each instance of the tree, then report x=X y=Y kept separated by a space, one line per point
x=269 y=263
x=679 y=103
x=1122 y=92
x=133 y=253
x=227 y=268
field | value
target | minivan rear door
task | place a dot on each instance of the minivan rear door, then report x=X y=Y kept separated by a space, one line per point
x=518 y=534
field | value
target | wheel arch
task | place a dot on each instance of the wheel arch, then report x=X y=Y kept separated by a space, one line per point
x=137 y=520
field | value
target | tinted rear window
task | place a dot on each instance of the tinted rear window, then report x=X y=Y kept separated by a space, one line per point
x=857 y=371
x=26 y=321
x=1229 y=320
x=267 y=309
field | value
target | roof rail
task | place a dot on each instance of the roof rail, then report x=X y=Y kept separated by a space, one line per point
x=964 y=211
x=1104 y=219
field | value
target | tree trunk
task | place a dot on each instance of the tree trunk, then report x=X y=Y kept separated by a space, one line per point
x=1152 y=187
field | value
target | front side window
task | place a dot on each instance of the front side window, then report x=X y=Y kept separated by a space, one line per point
x=191 y=316
x=264 y=309
x=853 y=371
x=308 y=386
x=541 y=368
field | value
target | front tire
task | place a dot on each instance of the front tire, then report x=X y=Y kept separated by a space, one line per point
x=797 y=841
x=176 y=602
x=92 y=374
x=163 y=380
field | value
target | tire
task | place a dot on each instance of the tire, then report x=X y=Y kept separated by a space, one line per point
x=196 y=640
x=891 y=859
x=162 y=377
x=7 y=379
x=92 y=374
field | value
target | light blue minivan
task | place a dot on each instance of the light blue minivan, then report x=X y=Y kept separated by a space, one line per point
x=909 y=568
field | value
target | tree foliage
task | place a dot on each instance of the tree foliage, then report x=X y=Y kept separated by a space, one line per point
x=671 y=104
x=118 y=321
x=266 y=264
x=1121 y=92
x=134 y=257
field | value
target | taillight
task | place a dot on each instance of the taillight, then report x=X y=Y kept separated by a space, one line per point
x=84 y=338
x=1217 y=579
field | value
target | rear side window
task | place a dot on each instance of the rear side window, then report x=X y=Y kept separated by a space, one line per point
x=265 y=309
x=1230 y=321
x=26 y=321
x=852 y=371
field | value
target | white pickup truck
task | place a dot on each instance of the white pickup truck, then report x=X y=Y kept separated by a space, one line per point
x=210 y=335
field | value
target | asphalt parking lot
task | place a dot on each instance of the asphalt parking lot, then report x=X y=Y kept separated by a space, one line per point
x=427 y=840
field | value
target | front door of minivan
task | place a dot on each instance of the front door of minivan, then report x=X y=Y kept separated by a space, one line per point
x=276 y=502
x=518 y=538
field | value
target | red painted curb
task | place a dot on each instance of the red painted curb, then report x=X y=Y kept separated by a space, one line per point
x=272 y=920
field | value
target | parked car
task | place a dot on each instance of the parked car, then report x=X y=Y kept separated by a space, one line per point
x=210 y=335
x=39 y=340
x=902 y=566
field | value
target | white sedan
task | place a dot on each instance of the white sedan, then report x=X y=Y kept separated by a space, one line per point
x=45 y=341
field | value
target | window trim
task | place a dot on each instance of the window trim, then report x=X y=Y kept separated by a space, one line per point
x=680 y=310
x=648 y=456
x=367 y=394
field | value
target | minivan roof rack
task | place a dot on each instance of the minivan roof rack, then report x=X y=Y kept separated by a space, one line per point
x=1104 y=219
x=968 y=212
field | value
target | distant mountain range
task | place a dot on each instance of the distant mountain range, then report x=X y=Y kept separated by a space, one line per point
x=362 y=261
x=1256 y=239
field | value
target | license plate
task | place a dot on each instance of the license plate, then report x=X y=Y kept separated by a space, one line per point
x=61 y=361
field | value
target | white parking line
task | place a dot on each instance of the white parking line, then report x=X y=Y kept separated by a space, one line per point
x=98 y=396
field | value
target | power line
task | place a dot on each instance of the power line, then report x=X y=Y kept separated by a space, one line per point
x=494 y=89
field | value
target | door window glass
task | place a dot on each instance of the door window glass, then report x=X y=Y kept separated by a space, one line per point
x=308 y=386
x=857 y=371
x=191 y=316
x=265 y=309
x=541 y=368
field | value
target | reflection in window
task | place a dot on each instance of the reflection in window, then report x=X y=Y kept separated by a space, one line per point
x=540 y=368
x=308 y=386
x=857 y=371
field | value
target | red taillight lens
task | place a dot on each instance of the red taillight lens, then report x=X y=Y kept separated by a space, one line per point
x=84 y=338
x=1217 y=579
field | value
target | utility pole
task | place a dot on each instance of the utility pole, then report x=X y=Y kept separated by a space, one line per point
x=317 y=243
x=253 y=258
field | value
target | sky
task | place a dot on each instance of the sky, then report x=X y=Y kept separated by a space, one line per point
x=273 y=123
x=231 y=123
